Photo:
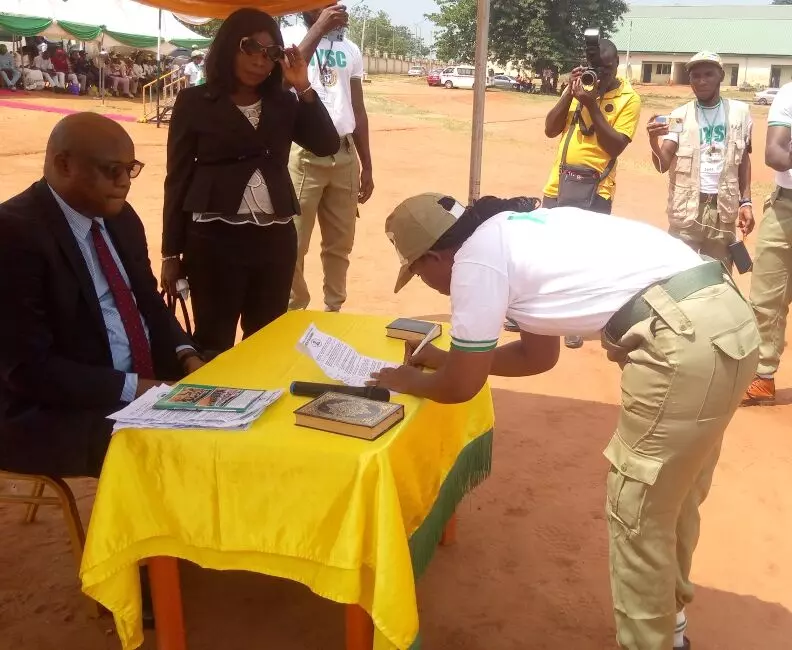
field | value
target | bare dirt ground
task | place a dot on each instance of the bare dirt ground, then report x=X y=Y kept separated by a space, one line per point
x=530 y=568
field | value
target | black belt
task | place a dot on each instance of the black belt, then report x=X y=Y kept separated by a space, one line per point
x=706 y=198
x=678 y=286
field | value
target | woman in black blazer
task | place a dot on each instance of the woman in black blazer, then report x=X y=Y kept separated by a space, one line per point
x=229 y=201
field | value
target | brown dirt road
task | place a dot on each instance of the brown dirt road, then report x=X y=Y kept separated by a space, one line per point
x=530 y=568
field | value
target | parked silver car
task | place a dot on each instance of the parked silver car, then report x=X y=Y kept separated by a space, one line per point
x=505 y=81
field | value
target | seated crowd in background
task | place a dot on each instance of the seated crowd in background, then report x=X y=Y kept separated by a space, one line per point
x=55 y=70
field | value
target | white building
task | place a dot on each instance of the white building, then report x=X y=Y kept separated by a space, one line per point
x=755 y=42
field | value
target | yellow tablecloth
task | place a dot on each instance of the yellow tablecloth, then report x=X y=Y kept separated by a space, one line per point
x=339 y=515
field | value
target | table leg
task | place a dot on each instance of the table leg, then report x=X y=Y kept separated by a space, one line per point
x=449 y=532
x=359 y=629
x=167 y=602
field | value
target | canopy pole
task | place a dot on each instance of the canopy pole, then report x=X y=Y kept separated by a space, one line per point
x=479 y=96
x=103 y=64
x=159 y=65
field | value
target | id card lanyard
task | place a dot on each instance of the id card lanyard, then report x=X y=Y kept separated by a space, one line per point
x=711 y=150
x=323 y=66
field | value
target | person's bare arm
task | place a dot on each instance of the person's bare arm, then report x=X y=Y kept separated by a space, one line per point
x=533 y=354
x=464 y=373
x=745 y=217
x=744 y=176
x=330 y=18
x=557 y=117
x=361 y=138
x=662 y=151
x=608 y=138
x=778 y=152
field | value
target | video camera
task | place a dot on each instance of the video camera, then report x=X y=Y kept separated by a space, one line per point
x=590 y=75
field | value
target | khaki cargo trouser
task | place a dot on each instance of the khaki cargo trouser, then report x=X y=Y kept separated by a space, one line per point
x=685 y=369
x=327 y=188
x=708 y=235
x=771 y=284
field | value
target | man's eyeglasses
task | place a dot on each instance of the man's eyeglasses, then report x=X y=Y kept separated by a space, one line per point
x=251 y=46
x=113 y=170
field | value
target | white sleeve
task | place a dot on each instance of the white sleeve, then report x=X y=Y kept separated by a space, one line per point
x=780 y=113
x=479 y=299
x=674 y=137
x=356 y=61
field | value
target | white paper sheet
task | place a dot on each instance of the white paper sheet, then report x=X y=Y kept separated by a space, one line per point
x=339 y=360
x=141 y=414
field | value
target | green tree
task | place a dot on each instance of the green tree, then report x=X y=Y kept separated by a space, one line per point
x=526 y=33
x=781 y=2
x=381 y=34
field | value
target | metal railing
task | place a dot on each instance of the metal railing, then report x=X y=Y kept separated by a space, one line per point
x=159 y=95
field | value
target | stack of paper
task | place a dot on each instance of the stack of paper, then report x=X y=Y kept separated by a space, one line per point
x=141 y=413
x=339 y=360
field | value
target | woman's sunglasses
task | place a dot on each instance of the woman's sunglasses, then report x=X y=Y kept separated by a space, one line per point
x=251 y=46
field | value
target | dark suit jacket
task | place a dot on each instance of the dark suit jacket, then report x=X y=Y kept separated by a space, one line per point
x=213 y=151
x=55 y=360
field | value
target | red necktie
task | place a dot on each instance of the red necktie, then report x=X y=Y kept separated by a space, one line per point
x=127 y=309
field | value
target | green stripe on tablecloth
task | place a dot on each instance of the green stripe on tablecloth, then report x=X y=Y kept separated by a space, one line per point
x=471 y=467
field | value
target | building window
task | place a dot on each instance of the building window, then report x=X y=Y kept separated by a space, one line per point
x=663 y=68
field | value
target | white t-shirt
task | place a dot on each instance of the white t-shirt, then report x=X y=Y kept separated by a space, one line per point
x=45 y=65
x=712 y=136
x=330 y=71
x=194 y=72
x=781 y=115
x=555 y=271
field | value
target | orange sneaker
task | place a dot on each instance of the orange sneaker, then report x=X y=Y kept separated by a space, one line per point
x=761 y=392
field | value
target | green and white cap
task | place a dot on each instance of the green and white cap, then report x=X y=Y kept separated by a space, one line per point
x=704 y=57
x=416 y=224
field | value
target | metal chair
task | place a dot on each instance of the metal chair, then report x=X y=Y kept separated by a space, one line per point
x=63 y=498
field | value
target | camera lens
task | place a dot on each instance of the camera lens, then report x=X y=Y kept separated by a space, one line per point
x=588 y=78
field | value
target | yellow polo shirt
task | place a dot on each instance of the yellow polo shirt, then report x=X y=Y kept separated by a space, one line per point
x=621 y=108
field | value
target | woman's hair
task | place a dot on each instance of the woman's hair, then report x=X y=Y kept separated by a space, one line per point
x=476 y=214
x=219 y=65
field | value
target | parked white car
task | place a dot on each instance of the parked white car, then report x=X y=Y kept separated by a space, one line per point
x=416 y=71
x=458 y=76
x=766 y=96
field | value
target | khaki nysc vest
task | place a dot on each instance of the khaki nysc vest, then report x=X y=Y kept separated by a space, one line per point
x=684 y=187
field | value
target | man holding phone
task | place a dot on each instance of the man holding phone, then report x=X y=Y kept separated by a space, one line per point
x=329 y=188
x=705 y=146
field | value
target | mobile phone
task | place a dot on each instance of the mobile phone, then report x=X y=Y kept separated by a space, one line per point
x=335 y=35
x=674 y=123
x=742 y=259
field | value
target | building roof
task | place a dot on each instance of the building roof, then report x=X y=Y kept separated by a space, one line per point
x=726 y=29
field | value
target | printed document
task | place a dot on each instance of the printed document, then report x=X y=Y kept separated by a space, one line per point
x=338 y=360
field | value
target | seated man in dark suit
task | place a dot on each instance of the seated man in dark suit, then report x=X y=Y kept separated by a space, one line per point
x=82 y=326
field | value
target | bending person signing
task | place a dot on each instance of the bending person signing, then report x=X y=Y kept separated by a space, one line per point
x=685 y=338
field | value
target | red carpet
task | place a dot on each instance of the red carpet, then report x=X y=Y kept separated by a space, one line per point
x=9 y=103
